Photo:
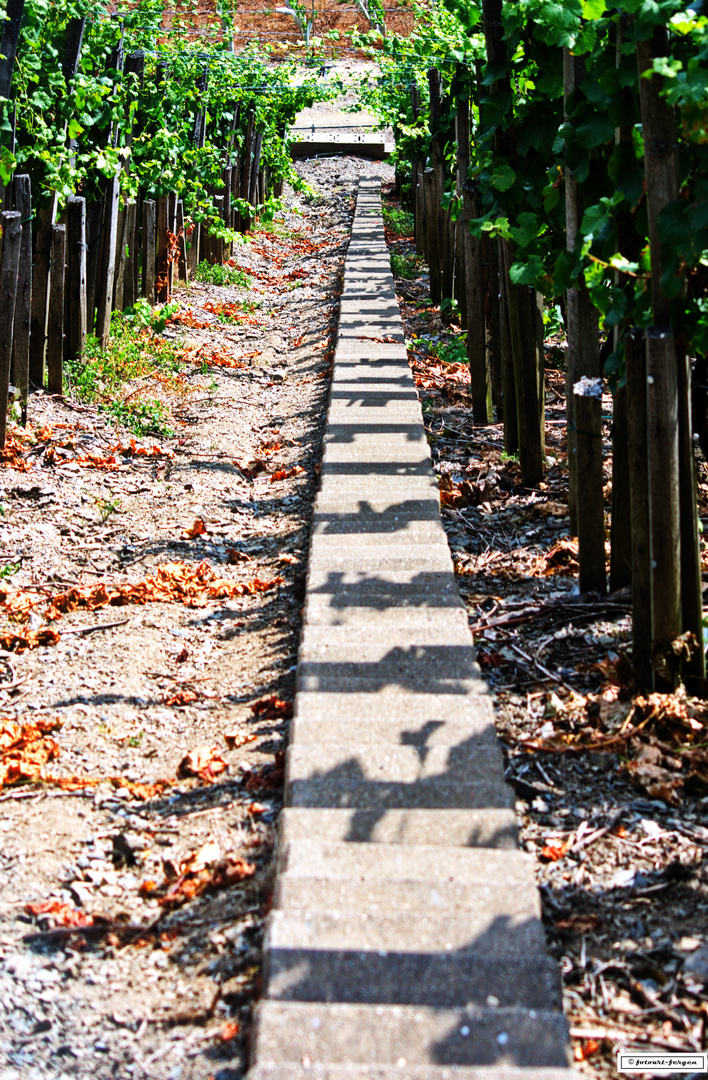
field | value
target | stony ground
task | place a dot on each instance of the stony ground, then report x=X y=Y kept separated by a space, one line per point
x=150 y=598
x=611 y=788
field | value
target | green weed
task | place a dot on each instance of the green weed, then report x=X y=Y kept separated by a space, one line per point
x=453 y=352
x=399 y=222
x=147 y=417
x=218 y=274
x=406 y=266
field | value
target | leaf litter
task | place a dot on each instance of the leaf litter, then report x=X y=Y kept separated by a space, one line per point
x=611 y=786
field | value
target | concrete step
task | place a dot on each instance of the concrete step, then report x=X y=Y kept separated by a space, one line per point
x=299 y=1071
x=477 y=935
x=409 y=1035
x=320 y=642
x=405 y=978
x=330 y=535
x=452 y=828
x=371 y=560
x=416 y=715
x=426 y=866
x=382 y=777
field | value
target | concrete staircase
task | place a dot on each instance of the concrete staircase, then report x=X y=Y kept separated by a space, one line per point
x=405 y=939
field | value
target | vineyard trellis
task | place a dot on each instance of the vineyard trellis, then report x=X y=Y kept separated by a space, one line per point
x=559 y=162
x=127 y=154
x=555 y=157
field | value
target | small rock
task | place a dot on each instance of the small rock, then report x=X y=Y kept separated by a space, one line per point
x=80 y=892
x=696 y=967
x=21 y=965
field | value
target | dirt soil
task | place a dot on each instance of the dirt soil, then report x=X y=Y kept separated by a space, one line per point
x=149 y=621
x=611 y=787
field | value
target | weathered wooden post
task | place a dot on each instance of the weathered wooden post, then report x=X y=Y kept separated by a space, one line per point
x=11 y=224
x=591 y=514
x=75 y=283
x=55 y=321
x=23 y=303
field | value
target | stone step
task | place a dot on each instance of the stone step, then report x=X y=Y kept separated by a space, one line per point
x=467 y=776
x=371 y=560
x=330 y=535
x=418 y=714
x=451 y=828
x=446 y=898
x=476 y=935
x=348 y=588
x=427 y=866
x=308 y=1071
x=405 y=978
x=320 y=642
x=409 y=1035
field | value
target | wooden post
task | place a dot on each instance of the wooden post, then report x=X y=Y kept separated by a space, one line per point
x=469 y=283
x=218 y=248
x=107 y=269
x=149 y=226
x=591 y=515
x=663 y=458
x=130 y=293
x=119 y=273
x=637 y=451
x=583 y=355
x=11 y=223
x=525 y=330
x=246 y=164
x=75 y=282
x=511 y=421
x=23 y=303
x=55 y=321
x=434 y=178
x=492 y=305
x=182 y=268
x=8 y=43
x=171 y=232
x=162 y=279
x=621 y=525
x=690 y=562
x=95 y=214
x=255 y=167
x=40 y=283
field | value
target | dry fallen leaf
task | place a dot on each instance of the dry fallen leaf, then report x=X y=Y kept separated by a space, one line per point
x=272 y=708
x=62 y=914
x=238 y=739
x=182 y=697
x=204 y=762
x=197 y=529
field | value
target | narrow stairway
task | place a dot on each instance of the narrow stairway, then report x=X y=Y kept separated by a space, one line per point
x=406 y=938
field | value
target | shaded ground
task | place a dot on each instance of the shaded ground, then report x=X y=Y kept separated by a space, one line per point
x=167 y=572
x=611 y=789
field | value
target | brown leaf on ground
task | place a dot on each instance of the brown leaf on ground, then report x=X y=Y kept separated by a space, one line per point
x=62 y=914
x=25 y=749
x=228 y=871
x=197 y=529
x=646 y=773
x=270 y=777
x=182 y=697
x=229 y=1031
x=29 y=639
x=177 y=582
x=286 y=474
x=561 y=559
x=235 y=740
x=272 y=708
x=204 y=761
x=579 y=924
x=553 y=854
x=235 y=556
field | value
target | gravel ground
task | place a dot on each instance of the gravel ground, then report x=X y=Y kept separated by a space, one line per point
x=134 y=880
